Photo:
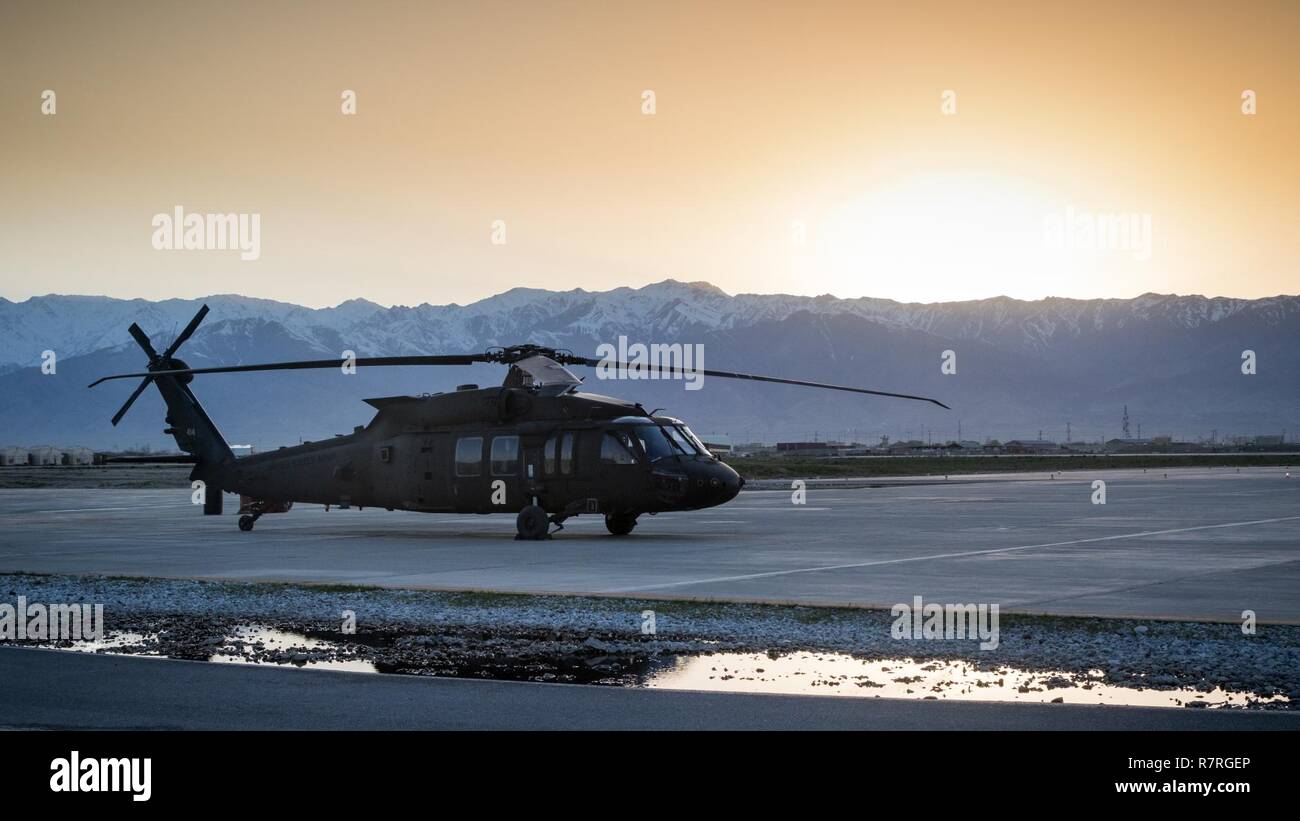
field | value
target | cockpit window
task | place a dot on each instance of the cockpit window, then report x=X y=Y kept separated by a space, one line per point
x=616 y=449
x=680 y=439
x=655 y=442
x=690 y=434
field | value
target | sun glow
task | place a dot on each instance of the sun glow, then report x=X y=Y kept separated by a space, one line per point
x=944 y=237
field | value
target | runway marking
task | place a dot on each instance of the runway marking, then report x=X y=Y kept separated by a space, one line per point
x=774 y=509
x=906 y=559
x=78 y=510
x=1107 y=591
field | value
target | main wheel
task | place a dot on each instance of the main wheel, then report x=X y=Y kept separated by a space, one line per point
x=620 y=524
x=533 y=523
x=246 y=523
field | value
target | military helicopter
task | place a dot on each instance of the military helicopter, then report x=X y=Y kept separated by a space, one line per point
x=536 y=446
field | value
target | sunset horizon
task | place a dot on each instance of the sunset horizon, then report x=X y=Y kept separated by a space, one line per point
x=636 y=287
x=1034 y=152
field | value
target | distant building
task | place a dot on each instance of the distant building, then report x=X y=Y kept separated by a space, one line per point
x=1127 y=445
x=813 y=448
x=911 y=446
x=1084 y=447
x=786 y=446
x=45 y=455
x=719 y=444
x=1031 y=446
x=14 y=456
x=78 y=456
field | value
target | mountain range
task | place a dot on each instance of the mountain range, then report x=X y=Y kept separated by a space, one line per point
x=1021 y=366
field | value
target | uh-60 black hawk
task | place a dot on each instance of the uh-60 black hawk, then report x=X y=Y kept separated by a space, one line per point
x=536 y=446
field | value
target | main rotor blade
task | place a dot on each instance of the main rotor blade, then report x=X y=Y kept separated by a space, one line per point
x=364 y=362
x=185 y=334
x=755 y=377
x=144 y=383
x=142 y=340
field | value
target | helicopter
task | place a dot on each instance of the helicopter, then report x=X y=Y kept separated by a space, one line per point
x=536 y=446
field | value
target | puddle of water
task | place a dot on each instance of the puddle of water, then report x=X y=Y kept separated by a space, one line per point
x=247 y=639
x=842 y=675
x=798 y=673
x=108 y=644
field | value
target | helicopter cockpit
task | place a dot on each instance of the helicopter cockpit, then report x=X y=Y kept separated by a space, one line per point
x=656 y=439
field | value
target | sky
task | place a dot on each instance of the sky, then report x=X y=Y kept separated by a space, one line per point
x=920 y=152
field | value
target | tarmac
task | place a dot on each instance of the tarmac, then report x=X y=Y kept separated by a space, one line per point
x=1188 y=543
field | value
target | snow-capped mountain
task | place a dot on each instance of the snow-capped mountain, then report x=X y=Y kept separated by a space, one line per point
x=1022 y=366
x=77 y=325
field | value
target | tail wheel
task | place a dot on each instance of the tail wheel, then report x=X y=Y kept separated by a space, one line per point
x=620 y=524
x=246 y=523
x=533 y=523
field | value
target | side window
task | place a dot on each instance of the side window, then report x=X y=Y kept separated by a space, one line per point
x=548 y=455
x=566 y=454
x=469 y=456
x=614 y=449
x=505 y=455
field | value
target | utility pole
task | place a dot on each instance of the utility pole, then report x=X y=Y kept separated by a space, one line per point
x=1068 y=437
x=1126 y=433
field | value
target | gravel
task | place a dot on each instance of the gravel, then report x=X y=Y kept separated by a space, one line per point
x=593 y=639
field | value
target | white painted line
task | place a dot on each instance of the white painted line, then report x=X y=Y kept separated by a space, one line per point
x=948 y=555
x=773 y=509
x=78 y=510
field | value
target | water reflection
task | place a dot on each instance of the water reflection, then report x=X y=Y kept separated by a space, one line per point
x=248 y=642
x=801 y=672
x=842 y=675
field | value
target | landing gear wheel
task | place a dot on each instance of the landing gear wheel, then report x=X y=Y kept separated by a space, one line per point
x=533 y=523
x=246 y=523
x=620 y=524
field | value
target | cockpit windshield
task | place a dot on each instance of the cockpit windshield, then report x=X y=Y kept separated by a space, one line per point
x=681 y=440
x=655 y=442
x=695 y=440
x=666 y=439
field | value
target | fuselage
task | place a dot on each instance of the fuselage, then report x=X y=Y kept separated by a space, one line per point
x=496 y=450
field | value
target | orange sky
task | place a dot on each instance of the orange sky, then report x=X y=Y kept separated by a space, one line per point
x=795 y=147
